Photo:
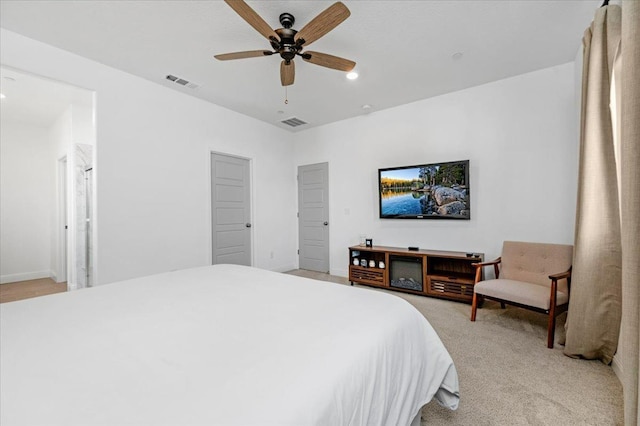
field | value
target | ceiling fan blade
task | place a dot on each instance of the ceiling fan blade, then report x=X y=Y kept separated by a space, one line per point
x=329 y=61
x=248 y=14
x=287 y=73
x=242 y=55
x=323 y=23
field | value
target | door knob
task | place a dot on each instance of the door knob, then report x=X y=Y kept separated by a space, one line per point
x=326 y=223
x=248 y=225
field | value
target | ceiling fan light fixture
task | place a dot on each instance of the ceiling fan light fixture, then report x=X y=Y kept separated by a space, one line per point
x=352 y=75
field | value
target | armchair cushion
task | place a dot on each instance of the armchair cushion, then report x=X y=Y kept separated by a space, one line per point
x=528 y=294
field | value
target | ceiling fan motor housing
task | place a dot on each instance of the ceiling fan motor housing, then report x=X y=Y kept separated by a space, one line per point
x=287 y=48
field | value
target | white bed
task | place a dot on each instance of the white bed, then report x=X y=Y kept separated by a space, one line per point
x=220 y=345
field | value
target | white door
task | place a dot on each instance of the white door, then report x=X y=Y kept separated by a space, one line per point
x=313 y=212
x=230 y=210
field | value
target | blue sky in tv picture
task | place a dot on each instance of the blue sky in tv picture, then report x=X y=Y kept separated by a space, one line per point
x=430 y=191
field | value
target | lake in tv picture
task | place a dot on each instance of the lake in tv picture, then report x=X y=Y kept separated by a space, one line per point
x=438 y=191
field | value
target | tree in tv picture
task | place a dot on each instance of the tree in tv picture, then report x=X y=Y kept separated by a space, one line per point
x=436 y=190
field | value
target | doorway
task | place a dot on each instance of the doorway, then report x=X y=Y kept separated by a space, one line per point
x=44 y=122
x=313 y=217
x=230 y=210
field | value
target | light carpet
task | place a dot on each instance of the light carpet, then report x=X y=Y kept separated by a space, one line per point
x=507 y=374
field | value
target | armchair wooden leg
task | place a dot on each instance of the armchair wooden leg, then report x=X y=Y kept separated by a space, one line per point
x=551 y=331
x=474 y=306
x=502 y=305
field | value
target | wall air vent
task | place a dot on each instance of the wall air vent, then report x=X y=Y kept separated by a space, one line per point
x=181 y=81
x=293 y=122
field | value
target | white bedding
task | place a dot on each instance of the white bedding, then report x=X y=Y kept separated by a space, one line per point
x=219 y=345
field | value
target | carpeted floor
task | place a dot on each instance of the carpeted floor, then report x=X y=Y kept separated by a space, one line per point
x=507 y=374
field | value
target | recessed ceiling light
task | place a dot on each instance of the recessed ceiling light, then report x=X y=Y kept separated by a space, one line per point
x=2 y=96
x=352 y=75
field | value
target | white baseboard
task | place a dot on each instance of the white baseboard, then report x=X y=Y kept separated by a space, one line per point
x=616 y=366
x=291 y=267
x=12 y=278
x=340 y=272
x=284 y=268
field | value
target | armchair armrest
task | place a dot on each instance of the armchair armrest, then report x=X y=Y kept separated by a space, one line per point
x=554 y=284
x=561 y=275
x=479 y=266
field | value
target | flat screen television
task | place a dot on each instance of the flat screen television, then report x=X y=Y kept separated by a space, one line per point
x=425 y=191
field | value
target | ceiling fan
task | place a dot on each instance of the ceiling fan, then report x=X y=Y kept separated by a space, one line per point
x=288 y=42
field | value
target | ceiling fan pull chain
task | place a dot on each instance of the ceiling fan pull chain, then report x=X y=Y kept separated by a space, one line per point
x=286 y=96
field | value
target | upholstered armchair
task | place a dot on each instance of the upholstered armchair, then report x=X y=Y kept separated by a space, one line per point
x=532 y=276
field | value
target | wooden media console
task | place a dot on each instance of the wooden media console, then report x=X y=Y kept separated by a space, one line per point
x=445 y=274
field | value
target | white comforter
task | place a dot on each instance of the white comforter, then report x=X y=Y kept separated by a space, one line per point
x=219 y=345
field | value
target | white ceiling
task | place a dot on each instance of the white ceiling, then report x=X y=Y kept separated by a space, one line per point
x=404 y=50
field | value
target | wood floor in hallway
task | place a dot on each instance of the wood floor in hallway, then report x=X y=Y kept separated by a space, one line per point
x=11 y=292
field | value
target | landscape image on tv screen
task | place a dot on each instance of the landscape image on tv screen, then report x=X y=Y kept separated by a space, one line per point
x=428 y=191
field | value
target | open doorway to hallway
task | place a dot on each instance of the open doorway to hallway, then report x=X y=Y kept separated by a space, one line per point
x=47 y=151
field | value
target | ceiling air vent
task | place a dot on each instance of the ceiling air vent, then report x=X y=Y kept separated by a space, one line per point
x=182 y=81
x=293 y=122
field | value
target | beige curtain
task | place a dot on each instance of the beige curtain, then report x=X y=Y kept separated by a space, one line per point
x=629 y=79
x=606 y=291
x=593 y=320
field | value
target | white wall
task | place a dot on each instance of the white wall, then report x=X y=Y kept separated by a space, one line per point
x=519 y=135
x=27 y=188
x=152 y=168
x=82 y=123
